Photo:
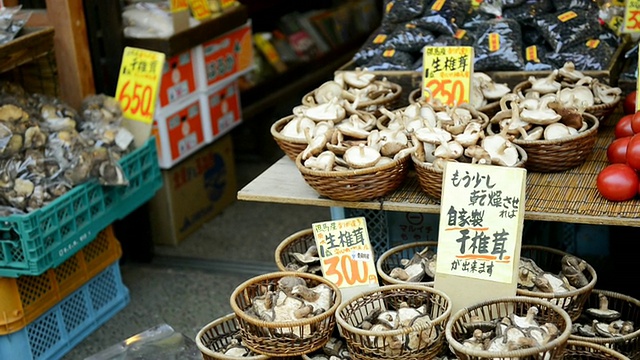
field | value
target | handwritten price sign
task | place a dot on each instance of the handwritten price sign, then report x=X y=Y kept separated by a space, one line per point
x=632 y=16
x=138 y=83
x=345 y=252
x=447 y=73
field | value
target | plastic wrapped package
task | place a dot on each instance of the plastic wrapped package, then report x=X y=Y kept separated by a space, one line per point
x=590 y=55
x=531 y=36
x=12 y=20
x=566 y=5
x=535 y=58
x=462 y=38
x=409 y=38
x=402 y=11
x=478 y=16
x=391 y=59
x=444 y=16
x=373 y=46
x=526 y=12
x=562 y=30
x=498 y=46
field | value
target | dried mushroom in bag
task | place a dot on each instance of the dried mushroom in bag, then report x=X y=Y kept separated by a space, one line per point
x=444 y=16
x=526 y=12
x=591 y=55
x=101 y=122
x=391 y=59
x=535 y=59
x=410 y=38
x=400 y=11
x=374 y=46
x=461 y=38
x=566 y=5
x=498 y=46
x=564 y=29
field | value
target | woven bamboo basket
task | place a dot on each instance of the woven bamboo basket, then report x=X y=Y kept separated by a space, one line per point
x=560 y=154
x=367 y=344
x=430 y=178
x=389 y=101
x=548 y=259
x=291 y=146
x=629 y=308
x=456 y=332
x=391 y=259
x=299 y=241
x=600 y=111
x=217 y=335
x=282 y=339
x=581 y=350
x=490 y=109
x=357 y=185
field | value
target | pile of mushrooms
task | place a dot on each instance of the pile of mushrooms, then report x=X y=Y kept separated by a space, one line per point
x=362 y=89
x=484 y=90
x=292 y=300
x=236 y=348
x=510 y=333
x=307 y=262
x=414 y=270
x=571 y=277
x=350 y=140
x=441 y=134
x=602 y=321
x=380 y=321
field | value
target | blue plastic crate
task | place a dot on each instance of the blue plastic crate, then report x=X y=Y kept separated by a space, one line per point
x=57 y=331
x=33 y=243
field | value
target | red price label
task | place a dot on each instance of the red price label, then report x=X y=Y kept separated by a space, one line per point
x=447 y=90
x=343 y=270
x=138 y=83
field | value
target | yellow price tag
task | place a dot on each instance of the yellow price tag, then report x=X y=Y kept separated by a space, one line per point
x=447 y=73
x=632 y=16
x=179 y=5
x=200 y=9
x=138 y=83
x=564 y=17
x=494 y=42
x=228 y=3
x=532 y=53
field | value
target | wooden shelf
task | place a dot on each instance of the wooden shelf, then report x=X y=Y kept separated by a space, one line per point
x=283 y=183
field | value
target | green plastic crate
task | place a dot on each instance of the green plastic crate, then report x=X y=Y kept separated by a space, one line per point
x=31 y=244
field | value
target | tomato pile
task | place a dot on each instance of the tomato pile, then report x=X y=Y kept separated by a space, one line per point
x=619 y=181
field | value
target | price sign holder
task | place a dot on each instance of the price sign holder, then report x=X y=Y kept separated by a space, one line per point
x=446 y=73
x=137 y=90
x=631 y=16
x=480 y=232
x=345 y=254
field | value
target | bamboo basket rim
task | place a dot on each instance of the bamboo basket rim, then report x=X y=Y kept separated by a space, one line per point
x=278 y=125
x=599 y=348
x=275 y=325
x=286 y=242
x=403 y=331
x=587 y=288
x=396 y=91
x=429 y=166
x=589 y=132
x=617 y=339
x=560 y=340
x=490 y=105
x=205 y=350
x=350 y=173
x=397 y=249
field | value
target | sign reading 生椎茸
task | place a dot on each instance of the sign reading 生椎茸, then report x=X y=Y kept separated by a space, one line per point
x=345 y=254
x=446 y=73
x=480 y=230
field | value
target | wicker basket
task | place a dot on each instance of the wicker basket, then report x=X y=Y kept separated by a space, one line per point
x=282 y=339
x=391 y=258
x=291 y=146
x=216 y=335
x=297 y=242
x=367 y=344
x=548 y=259
x=456 y=332
x=430 y=178
x=601 y=111
x=357 y=185
x=490 y=109
x=629 y=307
x=581 y=350
x=389 y=101
x=560 y=154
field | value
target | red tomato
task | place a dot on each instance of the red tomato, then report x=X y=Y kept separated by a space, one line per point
x=618 y=182
x=617 y=150
x=630 y=103
x=635 y=123
x=633 y=152
x=623 y=126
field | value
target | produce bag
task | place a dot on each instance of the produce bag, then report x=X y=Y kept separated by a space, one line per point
x=444 y=16
x=402 y=11
x=461 y=38
x=372 y=47
x=590 y=55
x=409 y=38
x=391 y=59
x=566 y=5
x=526 y=12
x=498 y=46
x=564 y=29
x=535 y=58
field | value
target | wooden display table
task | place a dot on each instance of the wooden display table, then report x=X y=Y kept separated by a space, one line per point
x=570 y=196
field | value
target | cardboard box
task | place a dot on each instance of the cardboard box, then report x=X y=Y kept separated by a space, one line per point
x=179 y=130
x=193 y=192
x=222 y=111
x=178 y=78
x=225 y=57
